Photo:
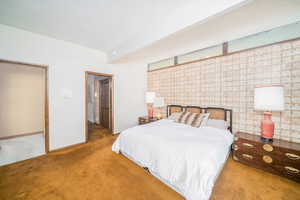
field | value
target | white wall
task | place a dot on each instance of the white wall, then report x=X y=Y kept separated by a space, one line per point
x=67 y=63
x=21 y=148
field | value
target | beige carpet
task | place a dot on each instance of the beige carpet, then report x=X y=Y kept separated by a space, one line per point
x=93 y=172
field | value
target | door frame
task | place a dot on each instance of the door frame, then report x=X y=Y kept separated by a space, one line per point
x=109 y=101
x=112 y=118
x=46 y=101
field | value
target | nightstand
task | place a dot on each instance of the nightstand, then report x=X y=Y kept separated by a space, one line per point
x=278 y=157
x=146 y=119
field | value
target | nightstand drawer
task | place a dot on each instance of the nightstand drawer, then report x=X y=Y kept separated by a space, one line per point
x=289 y=172
x=142 y=120
x=145 y=120
x=258 y=148
x=264 y=158
x=245 y=145
x=268 y=163
x=248 y=158
x=288 y=156
x=278 y=157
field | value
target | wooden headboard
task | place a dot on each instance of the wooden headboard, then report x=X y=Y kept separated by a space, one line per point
x=215 y=113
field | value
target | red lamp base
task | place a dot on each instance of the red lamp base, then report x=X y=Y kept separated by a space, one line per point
x=150 y=110
x=267 y=128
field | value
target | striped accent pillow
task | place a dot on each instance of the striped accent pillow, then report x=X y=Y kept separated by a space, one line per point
x=175 y=116
x=200 y=119
x=192 y=119
x=182 y=117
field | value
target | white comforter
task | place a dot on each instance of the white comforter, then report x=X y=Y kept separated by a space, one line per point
x=189 y=158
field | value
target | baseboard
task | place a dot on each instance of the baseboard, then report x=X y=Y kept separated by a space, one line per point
x=66 y=147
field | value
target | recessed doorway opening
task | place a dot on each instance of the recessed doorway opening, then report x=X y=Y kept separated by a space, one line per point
x=24 y=126
x=99 y=106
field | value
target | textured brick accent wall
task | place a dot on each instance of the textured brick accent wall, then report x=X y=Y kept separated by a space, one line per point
x=229 y=82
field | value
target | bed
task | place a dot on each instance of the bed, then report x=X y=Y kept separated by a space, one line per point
x=186 y=158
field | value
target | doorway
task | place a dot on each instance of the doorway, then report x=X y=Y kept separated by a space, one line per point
x=99 y=106
x=23 y=111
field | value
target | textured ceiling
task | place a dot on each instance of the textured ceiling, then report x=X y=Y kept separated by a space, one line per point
x=116 y=27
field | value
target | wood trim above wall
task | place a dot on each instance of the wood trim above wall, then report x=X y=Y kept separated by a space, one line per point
x=99 y=74
x=22 y=63
x=227 y=54
x=21 y=135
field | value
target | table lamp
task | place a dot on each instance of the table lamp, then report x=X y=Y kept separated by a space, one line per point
x=267 y=99
x=159 y=102
x=150 y=96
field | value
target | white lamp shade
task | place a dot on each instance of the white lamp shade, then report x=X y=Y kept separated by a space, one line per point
x=269 y=98
x=150 y=96
x=159 y=102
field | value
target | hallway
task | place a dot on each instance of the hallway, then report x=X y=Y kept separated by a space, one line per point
x=97 y=132
x=99 y=105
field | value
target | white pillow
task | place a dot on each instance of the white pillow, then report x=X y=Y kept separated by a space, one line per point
x=205 y=119
x=216 y=123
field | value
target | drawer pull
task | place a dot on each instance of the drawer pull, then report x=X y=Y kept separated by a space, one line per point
x=292 y=170
x=249 y=157
x=235 y=158
x=267 y=159
x=236 y=138
x=292 y=156
x=268 y=147
x=248 y=145
x=235 y=147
